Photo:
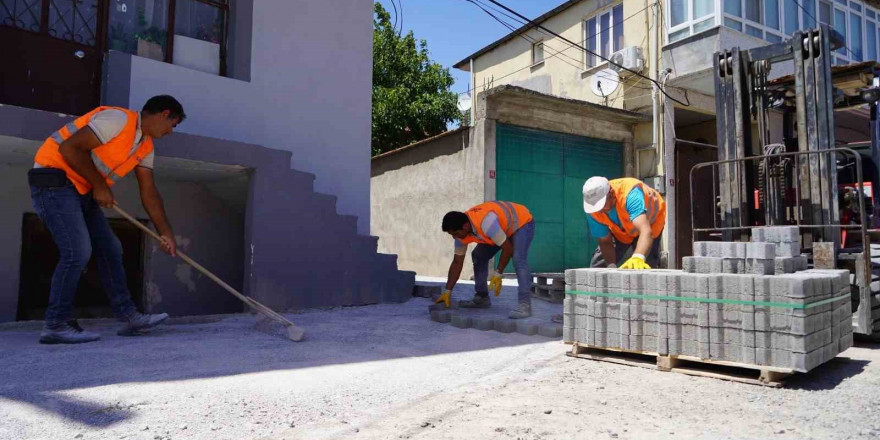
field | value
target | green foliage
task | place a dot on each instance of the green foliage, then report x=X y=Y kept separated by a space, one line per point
x=411 y=96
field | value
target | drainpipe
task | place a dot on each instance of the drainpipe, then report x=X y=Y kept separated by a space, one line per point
x=655 y=92
x=473 y=91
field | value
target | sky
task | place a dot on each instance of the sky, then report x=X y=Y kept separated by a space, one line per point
x=455 y=29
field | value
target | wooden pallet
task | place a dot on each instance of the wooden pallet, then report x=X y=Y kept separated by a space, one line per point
x=550 y=287
x=733 y=371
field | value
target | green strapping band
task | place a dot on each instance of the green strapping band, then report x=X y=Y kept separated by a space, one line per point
x=711 y=300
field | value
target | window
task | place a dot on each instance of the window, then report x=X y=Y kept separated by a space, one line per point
x=538 y=52
x=191 y=33
x=775 y=20
x=604 y=35
x=690 y=17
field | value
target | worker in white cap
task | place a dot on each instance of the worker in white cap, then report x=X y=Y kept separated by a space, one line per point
x=622 y=214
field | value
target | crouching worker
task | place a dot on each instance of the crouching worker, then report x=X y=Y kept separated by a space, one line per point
x=494 y=226
x=626 y=216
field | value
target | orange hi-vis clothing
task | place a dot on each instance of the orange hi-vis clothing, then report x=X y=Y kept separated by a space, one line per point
x=511 y=217
x=655 y=209
x=113 y=160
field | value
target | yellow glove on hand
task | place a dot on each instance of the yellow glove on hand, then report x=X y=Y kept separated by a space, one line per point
x=495 y=283
x=444 y=298
x=636 y=262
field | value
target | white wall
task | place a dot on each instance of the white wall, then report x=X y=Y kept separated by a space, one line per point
x=309 y=93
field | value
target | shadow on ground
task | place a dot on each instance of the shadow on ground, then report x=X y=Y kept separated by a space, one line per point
x=39 y=375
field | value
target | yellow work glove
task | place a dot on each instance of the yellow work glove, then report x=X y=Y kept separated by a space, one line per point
x=495 y=282
x=444 y=298
x=636 y=262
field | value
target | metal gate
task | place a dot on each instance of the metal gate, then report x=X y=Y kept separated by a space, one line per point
x=545 y=171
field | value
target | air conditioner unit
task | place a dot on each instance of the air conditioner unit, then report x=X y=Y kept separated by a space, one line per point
x=626 y=60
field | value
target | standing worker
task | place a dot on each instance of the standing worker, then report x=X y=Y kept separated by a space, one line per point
x=492 y=225
x=624 y=213
x=70 y=183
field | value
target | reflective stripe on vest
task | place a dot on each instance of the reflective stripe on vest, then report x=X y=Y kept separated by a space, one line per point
x=511 y=217
x=113 y=159
x=655 y=210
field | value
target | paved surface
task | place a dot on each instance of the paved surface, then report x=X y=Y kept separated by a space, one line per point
x=501 y=306
x=386 y=371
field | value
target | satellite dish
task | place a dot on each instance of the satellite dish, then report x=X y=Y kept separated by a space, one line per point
x=604 y=82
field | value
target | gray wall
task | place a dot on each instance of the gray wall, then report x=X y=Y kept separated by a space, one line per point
x=170 y=285
x=307 y=91
x=411 y=190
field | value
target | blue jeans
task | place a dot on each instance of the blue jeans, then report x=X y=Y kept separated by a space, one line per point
x=79 y=227
x=483 y=253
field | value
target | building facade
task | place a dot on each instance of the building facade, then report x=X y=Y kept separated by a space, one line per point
x=266 y=182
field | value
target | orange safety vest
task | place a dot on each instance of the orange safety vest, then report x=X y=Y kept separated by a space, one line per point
x=655 y=209
x=113 y=160
x=511 y=217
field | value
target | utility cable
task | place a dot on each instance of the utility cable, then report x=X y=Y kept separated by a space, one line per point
x=653 y=81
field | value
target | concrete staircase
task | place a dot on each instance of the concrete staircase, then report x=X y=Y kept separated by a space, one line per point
x=332 y=263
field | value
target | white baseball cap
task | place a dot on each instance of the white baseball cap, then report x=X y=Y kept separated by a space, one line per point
x=595 y=192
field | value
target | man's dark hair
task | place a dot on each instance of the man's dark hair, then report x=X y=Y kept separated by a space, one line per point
x=160 y=103
x=454 y=220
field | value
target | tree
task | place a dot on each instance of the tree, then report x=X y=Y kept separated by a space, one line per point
x=411 y=96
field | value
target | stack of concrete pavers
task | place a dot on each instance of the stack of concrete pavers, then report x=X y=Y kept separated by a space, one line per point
x=773 y=250
x=713 y=316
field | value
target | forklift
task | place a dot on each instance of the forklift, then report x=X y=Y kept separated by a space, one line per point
x=793 y=173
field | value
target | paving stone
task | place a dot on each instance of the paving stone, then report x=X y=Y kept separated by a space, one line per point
x=526 y=328
x=484 y=324
x=424 y=291
x=505 y=325
x=760 y=251
x=756 y=266
x=567 y=335
x=440 y=316
x=733 y=265
x=689 y=264
x=462 y=321
x=550 y=331
x=788 y=249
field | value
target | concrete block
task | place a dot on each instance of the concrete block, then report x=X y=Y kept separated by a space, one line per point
x=758 y=235
x=424 y=291
x=580 y=335
x=580 y=321
x=689 y=264
x=747 y=355
x=788 y=249
x=484 y=324
x=760 y=251
x=571 y=277
x=568 y=304
x=701 y=249
x=710 y=265
x=756 y=266
x=845 y=342
x=720 y=335
x=526 y=328
x=440 y=316
x=790 y=285
x=461 y=321
x=582 y=276
x=662 y=346
x=790 y=264
x=624 y=342
x=733 y=265
x=507 y=326
x=673 y=283
x=762 y=356
x=567 y=335
x=725 y=352
x=782 y=234
x=802 y=362
x=568 y=320
x=550 y=331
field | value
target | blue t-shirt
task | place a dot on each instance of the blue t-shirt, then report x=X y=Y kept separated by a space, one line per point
x=635 y=206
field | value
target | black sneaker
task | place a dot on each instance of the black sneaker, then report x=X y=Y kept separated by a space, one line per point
x=67 y=334
x=140 y=322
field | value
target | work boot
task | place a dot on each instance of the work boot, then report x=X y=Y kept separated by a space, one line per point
x=140 y=322
x=478 y=302
x=66 y=334
x=523 y=310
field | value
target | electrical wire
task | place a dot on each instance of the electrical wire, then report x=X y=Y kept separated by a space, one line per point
x=469 y=90
x=532 y=23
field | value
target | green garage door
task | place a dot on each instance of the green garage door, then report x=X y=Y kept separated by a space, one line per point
x=545 y=171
